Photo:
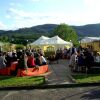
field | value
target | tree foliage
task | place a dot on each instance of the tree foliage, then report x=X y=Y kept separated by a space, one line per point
x=19 y=47
x=66 y=32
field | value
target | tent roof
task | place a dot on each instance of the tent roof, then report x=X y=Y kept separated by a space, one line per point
x=40 y=41
x=57 y=40
x=90 y=39
x=50 y=41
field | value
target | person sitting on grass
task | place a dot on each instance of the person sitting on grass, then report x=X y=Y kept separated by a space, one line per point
x=43 y=60
x=8 y=59
x=14 y=57
x=2 y=62
x=38 y=60
x=22 y=64
x=31 y=60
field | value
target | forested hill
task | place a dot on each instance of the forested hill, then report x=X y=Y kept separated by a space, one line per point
x=46 y=29
x=88 y=30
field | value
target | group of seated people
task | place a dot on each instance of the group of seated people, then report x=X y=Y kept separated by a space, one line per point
x=25 y=59
x=84 y=58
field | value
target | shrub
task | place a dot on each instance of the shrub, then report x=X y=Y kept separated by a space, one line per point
x=19 y=47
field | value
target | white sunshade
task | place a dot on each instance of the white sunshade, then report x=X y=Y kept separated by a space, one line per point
x=41 y=41
x=57 y=40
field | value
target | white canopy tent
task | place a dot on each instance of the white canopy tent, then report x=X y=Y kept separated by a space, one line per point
x=41 y=41
x=90 y=39
x=55 y=41
x=58 y=42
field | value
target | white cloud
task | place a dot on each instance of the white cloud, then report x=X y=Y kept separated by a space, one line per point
x=12 y=4
x=8 y=16
x=89 y=2
x=91 y=12
x=85 y=18
x=92 y=3
x=2 y=26
x=27 y=19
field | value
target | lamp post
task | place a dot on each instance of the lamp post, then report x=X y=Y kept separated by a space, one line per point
x=80 y=42
x=12 y=40
x=10 y=44
x=71 y=43
x=26 y=44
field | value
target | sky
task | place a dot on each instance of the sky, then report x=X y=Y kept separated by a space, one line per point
x=16 y=14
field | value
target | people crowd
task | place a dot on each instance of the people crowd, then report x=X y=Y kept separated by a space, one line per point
x=25 y=58
x=79 y=57
x=83 y=57
x=31 y=58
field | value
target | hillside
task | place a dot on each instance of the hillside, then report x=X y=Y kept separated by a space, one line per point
x=88 y=30
x=46 y=29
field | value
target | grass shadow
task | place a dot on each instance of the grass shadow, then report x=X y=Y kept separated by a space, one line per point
x=2 y=77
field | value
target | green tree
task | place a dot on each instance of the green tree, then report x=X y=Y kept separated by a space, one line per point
x=66 y=32
x=4 y=38
x=19 y=47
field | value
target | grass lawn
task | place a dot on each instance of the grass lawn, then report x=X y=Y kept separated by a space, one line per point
x=7 y=81
x=90 y=78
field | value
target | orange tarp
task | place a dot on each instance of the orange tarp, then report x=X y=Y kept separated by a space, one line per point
x=7 y=70
x=25 y=72
x=12 y=67
x=33 y=71
x=4 y=71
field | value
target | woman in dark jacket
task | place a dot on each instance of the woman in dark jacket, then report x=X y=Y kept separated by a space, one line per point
x=89 y=60
x=22 y=62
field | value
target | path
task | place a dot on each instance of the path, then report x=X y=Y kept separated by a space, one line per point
x=60 y=73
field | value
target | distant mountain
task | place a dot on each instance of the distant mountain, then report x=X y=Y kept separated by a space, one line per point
x=1 y=31
x=47 y=27
x=86 y=30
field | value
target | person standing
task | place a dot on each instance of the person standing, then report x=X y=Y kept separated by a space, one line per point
x=2 y=62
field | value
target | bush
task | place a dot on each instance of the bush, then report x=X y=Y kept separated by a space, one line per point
x=48 y=53
x=19 y=47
